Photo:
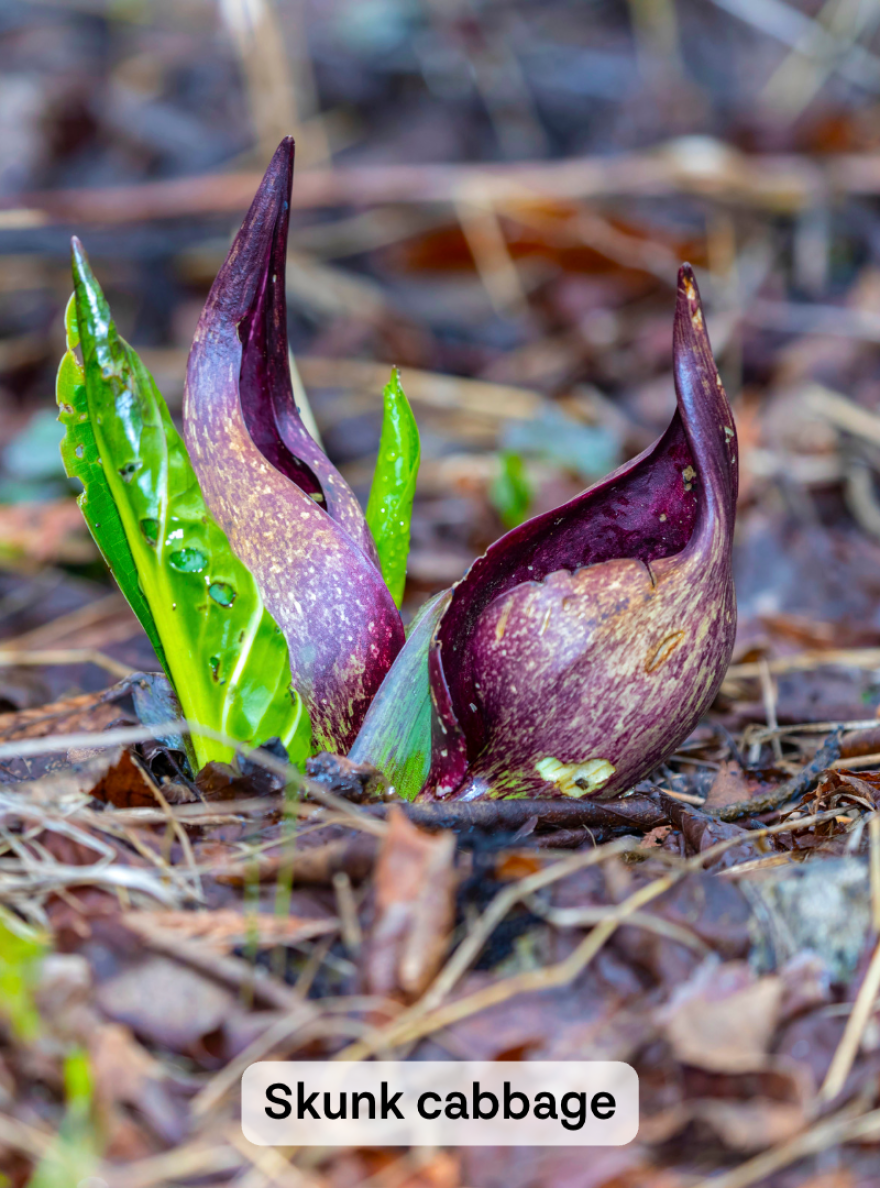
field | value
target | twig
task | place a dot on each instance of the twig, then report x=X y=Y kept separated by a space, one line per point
x=421 y=1023
x=350 y=925
x=827 y=754
x=635 y=812
x=26 y=748
x=793 y=27
x=499 y=402
x=713 y=170
x=808 y=662
x=304 y=1019
x=854 y=762
x=18 y=658
x=579 y=917
x=848 y=1047
x=840 y=1128
x=496 y=267
x=814 y=728
x=768 y=696
x=194 y=1160
x=71 y=624
x=231 y=971
x=20 y=1136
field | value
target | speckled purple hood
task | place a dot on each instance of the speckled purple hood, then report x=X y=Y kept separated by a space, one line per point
x=582 y=648
x=288 y=513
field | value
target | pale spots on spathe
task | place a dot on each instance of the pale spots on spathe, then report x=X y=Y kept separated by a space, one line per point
x=576 y=779
x=663 y=650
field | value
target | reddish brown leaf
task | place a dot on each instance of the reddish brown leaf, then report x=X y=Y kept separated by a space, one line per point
x=415 y=908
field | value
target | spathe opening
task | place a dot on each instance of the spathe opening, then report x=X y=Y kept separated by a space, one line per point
x=645 y=511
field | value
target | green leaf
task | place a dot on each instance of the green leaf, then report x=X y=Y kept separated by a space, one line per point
x=222 y=651
x=74 y=1156
x=79 y=453
x=389 y=508
x=23 y=951
x=511 y=493
x=396 y=734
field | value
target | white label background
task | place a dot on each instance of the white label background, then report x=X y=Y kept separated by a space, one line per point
x=417 y=1077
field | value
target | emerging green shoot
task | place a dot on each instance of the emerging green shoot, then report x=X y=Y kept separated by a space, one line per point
x=389 y=509
x=511 y=493
x=74 y=1157
x=22 y=954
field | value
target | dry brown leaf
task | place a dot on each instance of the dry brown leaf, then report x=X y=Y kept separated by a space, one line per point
x=728 y=787
x=125 y=784
x=751 y=1125
x=415 y=908
x=165 y=1003
x=225 y=928
x=87 y=713
x=723 y=1018
x=124 y=1074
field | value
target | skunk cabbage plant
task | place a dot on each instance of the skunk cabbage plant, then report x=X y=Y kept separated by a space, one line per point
x=582 y=648
x=198 y=604
x=571 y=659
x=287 y=511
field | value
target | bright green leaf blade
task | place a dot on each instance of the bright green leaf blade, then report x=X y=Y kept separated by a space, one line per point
x=224 y=654
x=389 y=509
x=396 y=734
x=79 y=454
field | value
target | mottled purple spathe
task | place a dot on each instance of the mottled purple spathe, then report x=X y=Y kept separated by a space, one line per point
x=583 y=647
x=288 y=513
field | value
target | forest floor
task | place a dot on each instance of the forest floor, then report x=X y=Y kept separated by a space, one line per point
x=496 y=199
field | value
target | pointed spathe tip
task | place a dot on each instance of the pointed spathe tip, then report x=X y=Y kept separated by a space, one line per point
x=688 y=289
x=282 y=161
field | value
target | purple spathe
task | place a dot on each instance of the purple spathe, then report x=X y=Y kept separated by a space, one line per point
x=287 y=511
x=583 y=647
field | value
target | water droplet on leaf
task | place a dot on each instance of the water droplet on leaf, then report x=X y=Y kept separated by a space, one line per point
x=188 y=560
x=222 y=593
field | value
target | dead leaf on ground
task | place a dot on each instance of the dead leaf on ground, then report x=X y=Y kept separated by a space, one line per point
x=125 y=784
x=729 y=786
x=86 y=713
x=124 y=1074
x=414 y=911
x=751 y=1125
x=165 y=1003
x=723 y=1018
x=224 y=929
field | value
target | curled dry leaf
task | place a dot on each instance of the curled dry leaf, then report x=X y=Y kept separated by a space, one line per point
x=415 y=908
